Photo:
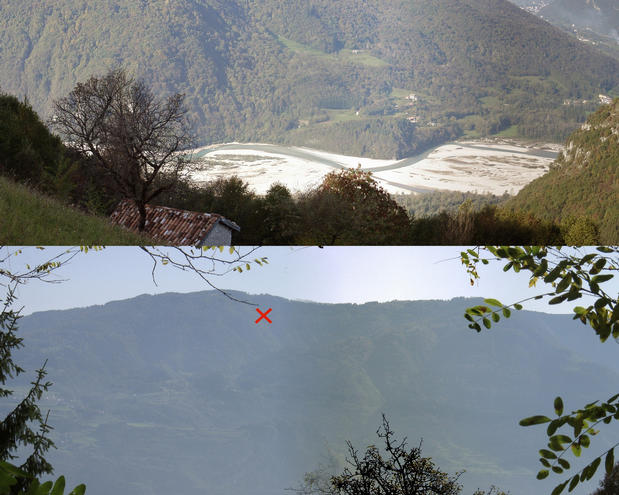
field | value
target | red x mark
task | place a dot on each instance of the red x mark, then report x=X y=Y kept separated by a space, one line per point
x=264 y=315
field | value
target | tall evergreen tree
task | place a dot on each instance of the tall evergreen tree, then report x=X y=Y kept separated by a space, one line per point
x=25 y=424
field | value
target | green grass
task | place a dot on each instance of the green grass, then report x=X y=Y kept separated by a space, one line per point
x=510 y=132
x=28 y=217
x=489 y=101
x=400 y=93
x=361 y=58
x=342 y=115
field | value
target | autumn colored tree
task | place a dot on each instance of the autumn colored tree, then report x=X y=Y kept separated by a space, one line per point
x=349 y=207
x=400 y=471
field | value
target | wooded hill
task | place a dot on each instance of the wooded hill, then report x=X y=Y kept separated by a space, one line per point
x=177 y=392
x=584 y=181
x=298 y=72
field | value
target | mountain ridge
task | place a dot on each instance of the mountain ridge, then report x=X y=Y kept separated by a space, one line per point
x=182 y=390
x=243 y=81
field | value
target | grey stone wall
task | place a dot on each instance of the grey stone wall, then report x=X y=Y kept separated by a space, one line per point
x=220 y=235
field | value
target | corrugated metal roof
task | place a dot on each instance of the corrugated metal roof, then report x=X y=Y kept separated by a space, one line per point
x=170 y=225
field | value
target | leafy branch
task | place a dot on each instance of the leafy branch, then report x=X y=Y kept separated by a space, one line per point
x=582 y=430
x=194 y=260
x=571 y=273
x=571 y=277
x=10 y=475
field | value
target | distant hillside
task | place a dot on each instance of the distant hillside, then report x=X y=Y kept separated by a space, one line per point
x=177 y=392
x=585 y=180
x=334 y=72
x=600 y=16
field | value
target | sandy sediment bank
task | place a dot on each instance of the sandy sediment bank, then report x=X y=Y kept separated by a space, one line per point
x=483 y=166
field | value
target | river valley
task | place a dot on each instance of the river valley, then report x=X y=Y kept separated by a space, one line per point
x=486 y=166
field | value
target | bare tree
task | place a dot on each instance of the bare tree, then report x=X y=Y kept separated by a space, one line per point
x=401 y=472
x=135 y=137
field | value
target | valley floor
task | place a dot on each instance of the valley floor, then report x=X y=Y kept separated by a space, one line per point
x=494 y=166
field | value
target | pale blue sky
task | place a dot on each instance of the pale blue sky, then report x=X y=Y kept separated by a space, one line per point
x=333 y=275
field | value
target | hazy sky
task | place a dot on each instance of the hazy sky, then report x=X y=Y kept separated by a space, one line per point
x=333 y=275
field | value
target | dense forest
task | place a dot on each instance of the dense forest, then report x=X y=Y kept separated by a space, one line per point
x=247 y=409
x=584 y=181
x=335 y=73
x=348 y=207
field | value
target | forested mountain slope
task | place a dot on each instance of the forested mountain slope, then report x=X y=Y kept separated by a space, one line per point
x=336 y=73
x=177 y=392
x=584 y=181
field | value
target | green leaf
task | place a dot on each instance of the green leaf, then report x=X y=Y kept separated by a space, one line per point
x=558 y=299
x=552 y=427
x=547 y=454
x=543 y=474
x=599 y=279
x=559 y=406
x=506 y=313
x=495 y=317
x=557 y=469
x=518 y=306
x=574 y=293
x=45 y=487
x=564 y=463
x=79 y=490
x=34 y=488
x=541 y=269
x=556 y=442
x=563 y=439
x=576 y=450
x=593 y=467
x=565 y=282
x=487 y=323
x=573 y=483
x=610 y=461
x=534 y=420
x=597 y=266
x=585 y=441
x=559 y=488
x=554 y=274
x=493 y=302
x=13 y=470
x=601 y=302
x=544 y=462
x=58 y=486
x=477 y=310
x=587 y=258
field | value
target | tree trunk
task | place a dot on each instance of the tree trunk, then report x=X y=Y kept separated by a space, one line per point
x=142 y=210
